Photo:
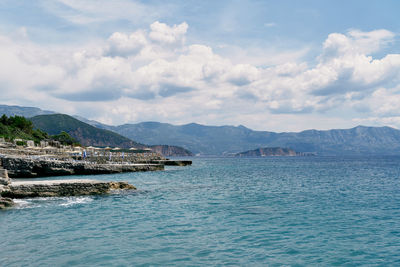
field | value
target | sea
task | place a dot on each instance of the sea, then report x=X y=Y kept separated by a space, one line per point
x=272 y=211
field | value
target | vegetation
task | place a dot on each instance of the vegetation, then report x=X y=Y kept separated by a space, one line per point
x=64 y=138
x=86 y=134
x=18 y=127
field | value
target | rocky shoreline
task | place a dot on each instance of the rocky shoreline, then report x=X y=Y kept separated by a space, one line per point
x=21 y=164
x=4 y=182
x=62 y=188
x=25 y=167
x=55 y=188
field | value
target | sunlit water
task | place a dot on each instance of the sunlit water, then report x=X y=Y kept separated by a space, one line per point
x=220 y=211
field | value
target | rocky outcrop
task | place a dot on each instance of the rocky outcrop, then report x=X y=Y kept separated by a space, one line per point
x=28 y=167
x=62 y=188
x=6 y=202
x=268 y=151
x=171 y=151
x=4 y=185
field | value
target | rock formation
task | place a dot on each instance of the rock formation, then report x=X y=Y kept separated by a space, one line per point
x=4 y=186
x=6 y=202
x=62 y=188
x=29 y=167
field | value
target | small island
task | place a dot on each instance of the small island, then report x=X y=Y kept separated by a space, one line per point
x=268 y=152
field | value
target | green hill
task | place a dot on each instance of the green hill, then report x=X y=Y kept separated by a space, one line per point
x=84 y=133
x=18 y=127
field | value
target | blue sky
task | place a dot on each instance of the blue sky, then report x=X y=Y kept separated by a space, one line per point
x=268 y=65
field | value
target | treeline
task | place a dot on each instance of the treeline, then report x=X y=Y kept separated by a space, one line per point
x=14 y=127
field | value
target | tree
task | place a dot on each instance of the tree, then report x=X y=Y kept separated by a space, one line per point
x=64 y=138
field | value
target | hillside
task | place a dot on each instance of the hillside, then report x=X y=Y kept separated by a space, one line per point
x=18 y=127
x=86 y=134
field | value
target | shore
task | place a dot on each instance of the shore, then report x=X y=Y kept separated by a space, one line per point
x=27 y=163
x=59 y=188
x=28 y=167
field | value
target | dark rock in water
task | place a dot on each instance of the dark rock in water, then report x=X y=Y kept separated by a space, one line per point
x=27 y=167
x=173 y=162
x=6 y=203
x=60 y=188
x=268 y=151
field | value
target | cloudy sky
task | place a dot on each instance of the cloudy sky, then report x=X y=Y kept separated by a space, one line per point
x=268 y=65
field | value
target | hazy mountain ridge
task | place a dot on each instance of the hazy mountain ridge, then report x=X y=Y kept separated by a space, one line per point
x=27 y=112
x=229 y=140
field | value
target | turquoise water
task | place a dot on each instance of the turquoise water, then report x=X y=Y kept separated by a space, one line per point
x=220 y=211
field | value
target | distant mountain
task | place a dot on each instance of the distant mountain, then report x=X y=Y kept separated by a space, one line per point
x=26 y=112
x=229 y=140
x=94 y=123
x=268 y=152
x=86 y=134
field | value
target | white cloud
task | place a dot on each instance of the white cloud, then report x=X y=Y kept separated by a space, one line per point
x=123 y=44
x=161 y=32
x=151 y=74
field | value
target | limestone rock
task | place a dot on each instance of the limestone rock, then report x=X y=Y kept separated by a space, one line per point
x=62 y=188
x=4 y=180
x=6 y=203
x=28 y=167
x=121 y=186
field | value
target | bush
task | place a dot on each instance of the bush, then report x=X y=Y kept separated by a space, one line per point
x=64 y=138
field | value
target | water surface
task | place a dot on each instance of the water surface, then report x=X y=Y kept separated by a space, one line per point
x=297 y=211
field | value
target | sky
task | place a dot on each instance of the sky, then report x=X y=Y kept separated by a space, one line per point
x=268 y=65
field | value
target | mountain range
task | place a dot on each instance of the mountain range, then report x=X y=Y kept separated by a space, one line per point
x=229 y=140
x=22 y=111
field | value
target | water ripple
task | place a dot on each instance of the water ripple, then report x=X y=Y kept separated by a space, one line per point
x=220 y=212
